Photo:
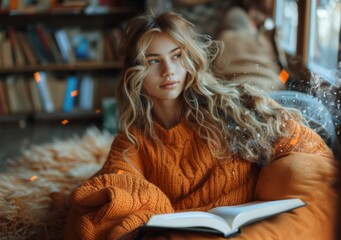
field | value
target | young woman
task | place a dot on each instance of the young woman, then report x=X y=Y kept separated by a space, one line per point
x=187 y=142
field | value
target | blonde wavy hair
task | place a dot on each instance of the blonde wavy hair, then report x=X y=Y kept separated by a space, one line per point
x=231 y=117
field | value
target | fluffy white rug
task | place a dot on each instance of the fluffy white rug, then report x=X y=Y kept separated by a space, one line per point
x=35 y=187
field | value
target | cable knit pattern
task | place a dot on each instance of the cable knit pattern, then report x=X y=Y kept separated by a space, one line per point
x=181 y=175
x=300 y=139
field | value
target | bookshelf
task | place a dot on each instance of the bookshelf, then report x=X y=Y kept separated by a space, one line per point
x=98 y=63
x=63 y=68
x=114 y=16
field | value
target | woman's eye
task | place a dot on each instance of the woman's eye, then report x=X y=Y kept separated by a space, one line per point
x=152 y=61
x=176 y=56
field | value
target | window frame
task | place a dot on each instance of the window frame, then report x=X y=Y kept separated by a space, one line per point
x=303 y=68
x=279 y=24
x=321 y=71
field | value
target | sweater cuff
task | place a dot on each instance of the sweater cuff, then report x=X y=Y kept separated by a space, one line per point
x=115 y=204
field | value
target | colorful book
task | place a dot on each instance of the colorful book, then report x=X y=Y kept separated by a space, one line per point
x=44 y=92
x=87 y=45
x=42 y=36
x=64 y=45
x=86 y=93
x=71 y=93
x=53 y=45
x=37 y=45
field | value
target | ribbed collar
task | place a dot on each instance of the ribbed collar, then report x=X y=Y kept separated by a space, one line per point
x=177 y=134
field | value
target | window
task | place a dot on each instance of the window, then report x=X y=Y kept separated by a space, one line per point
x=286 y=22
x=324 y=37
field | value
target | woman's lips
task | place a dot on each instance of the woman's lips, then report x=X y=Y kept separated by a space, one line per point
x=169 y=84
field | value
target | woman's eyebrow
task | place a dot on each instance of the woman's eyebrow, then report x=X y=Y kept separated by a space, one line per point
x=156 y=54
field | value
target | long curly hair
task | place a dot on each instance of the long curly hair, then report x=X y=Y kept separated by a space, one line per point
x=231 y=117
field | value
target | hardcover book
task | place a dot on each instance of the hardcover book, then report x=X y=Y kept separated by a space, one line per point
x=70 y=94
x=224 y=221
x=41 y=82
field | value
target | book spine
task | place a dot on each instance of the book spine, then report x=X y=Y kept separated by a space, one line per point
x=53 y=46
x=13 y=4
x=2 y=37
x=3 y=97
x=41 y=33
x=57 y=88
x=70 y=94
x=37 y=46
x=44 y=93
x=11 y=43
x=64 y=45
x=86 y=93
x=23 y=95
x=13 y=100
x=17 y=52
x=6 y=53
x=27 y=49
x=36 y=101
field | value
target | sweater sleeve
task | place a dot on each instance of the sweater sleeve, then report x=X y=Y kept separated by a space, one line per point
x=115 y=201
x=302 y=139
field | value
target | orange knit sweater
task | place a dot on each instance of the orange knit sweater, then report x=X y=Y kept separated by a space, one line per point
x=183 y=175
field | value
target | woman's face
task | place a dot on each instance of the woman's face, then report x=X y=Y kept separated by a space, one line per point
x=166 y=75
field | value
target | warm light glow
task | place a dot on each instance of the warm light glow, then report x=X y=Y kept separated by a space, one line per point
x=74 y=93
x=120 y=171
x=98 y=110
x=33 y=178
x=65 y=121
x=37 y=77
x=283 y=76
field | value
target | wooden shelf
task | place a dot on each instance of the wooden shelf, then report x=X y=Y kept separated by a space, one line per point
x=14 y=118
x=74 y=116
x=59 y=18
x=90 y=66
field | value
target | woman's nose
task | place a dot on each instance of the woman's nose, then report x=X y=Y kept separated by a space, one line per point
x=168 y=69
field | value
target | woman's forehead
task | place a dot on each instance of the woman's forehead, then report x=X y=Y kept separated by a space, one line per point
x=161 y=42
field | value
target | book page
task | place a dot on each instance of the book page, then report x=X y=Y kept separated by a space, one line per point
x=189 y=219
x=239 y=215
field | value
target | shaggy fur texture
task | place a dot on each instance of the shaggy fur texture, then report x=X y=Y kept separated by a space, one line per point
x=36 y=208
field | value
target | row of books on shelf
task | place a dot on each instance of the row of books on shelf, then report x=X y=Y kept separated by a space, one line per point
x=41 y=45
x=58 y=6
x=44 y=92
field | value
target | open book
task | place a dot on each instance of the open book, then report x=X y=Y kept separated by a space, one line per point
x=225 y=221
